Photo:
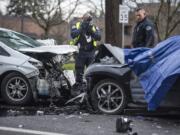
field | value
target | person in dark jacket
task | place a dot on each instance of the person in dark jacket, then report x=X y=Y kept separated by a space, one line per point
x=143 y=35
x=84 y=34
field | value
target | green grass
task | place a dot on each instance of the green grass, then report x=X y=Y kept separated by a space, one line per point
x=69 y=66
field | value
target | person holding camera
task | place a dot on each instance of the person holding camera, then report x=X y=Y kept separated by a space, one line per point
x=84 y=35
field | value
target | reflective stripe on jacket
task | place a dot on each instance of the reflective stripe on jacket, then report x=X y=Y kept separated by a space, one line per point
x=76 y=39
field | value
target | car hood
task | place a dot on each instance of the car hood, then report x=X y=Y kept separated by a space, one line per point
x=57 y=49
x=117 y=52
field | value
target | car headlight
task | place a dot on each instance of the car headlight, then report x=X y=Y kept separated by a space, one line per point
x=37 y=64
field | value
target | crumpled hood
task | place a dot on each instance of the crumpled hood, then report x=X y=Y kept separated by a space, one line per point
x=57 y=49
x=117 y=52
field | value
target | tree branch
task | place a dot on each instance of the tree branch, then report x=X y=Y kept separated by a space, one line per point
x=157 y=19
x=168 y=17
x=173 y=27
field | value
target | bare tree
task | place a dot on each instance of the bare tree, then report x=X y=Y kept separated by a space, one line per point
x=46 y=13
x=96 y=8
x=51 y=13
x=168 y=17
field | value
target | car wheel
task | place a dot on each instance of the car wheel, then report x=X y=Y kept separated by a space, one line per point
x=15 y=89
x=108 y=97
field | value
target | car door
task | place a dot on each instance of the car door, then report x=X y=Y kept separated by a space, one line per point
x=4 y=56
x=9 y=60
x=137 y=91
x=170 y=100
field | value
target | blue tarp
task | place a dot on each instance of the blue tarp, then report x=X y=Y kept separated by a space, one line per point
x=157 y=68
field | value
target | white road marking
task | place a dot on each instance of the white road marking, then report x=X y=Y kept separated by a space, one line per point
x=29 y=131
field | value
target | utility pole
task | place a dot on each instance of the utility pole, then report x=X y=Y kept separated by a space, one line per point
x=113 y=29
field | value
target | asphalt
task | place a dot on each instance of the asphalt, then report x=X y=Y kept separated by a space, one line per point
x=42 y=120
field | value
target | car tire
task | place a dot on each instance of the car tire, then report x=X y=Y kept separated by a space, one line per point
x=15 y=89
x=108 y=97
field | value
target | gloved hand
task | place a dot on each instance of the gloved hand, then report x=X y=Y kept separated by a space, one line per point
x=89 y=31
x=85 y=26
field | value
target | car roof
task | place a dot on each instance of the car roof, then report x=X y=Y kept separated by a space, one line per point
x=9 y=30
x=34 y=44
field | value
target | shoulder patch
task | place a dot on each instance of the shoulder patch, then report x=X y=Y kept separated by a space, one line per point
x=148 y=27
x=73 y=27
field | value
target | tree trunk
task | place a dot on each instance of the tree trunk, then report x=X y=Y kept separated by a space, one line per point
x=113 y=29
x=46 y=32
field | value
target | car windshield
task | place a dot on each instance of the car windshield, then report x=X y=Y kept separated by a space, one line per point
x=17 y=40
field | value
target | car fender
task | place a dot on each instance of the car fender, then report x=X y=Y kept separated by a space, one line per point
x=97 y=72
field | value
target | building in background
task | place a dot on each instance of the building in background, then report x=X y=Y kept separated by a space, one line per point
x=32 y=29
x=61 y=33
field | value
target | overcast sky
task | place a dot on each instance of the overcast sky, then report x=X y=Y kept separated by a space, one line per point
x=80 y=10
x=3 y=5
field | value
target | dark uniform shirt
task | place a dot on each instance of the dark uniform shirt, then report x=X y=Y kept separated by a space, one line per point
x=143 y=35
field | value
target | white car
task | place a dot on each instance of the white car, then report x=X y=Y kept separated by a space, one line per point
x=18 y=76
x=54 y=81
x=25 y=79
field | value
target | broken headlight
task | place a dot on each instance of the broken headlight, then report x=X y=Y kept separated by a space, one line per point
x=37 y=64
x=62 y=58
x=58 y=58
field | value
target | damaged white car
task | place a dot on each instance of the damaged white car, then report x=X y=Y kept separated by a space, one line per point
x=50 y=80
x=53 y=81
x=18 y=76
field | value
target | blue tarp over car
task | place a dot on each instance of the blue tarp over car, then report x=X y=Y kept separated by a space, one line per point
x=157 y=68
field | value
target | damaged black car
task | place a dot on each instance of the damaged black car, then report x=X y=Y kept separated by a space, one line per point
x=112 y=86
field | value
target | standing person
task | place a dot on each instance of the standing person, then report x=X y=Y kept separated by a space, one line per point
x=143 y=35
x=84 y=35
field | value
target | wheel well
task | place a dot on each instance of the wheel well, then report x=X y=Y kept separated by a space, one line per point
x=97 y=78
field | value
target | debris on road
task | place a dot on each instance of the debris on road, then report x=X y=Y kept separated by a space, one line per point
x=159 y=127
x=12 y=112
x=20 y=126
x=70 y=116
x=123 y=125
x=40 y=113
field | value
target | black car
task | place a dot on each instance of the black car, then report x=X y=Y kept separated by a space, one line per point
x=112 y=86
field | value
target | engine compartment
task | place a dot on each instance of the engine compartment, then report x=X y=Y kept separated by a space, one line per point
x=54 y=82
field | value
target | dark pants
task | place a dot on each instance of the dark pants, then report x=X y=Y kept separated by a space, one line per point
x=83 y=59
